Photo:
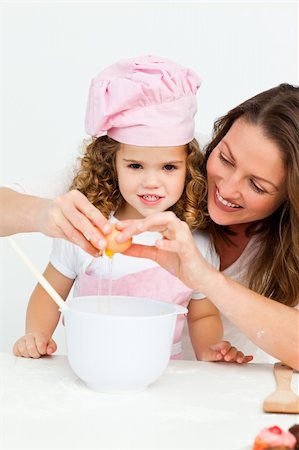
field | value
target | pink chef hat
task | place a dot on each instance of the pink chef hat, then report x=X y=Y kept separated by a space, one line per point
x=146 y=101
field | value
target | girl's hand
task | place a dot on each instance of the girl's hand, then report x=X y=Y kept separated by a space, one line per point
x=71 y=216
x=223 y=351
x=34 y=345
x=176 y=252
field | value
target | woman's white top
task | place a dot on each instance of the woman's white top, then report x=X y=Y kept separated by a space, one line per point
x=237 y=272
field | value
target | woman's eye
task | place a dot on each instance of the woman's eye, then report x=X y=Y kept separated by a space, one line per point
x=224 y=160
x=169 y=167
x=135 y=166
x=257 y=188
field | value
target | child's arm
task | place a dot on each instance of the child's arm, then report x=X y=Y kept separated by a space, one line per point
x=42 y=317
x=206 y=333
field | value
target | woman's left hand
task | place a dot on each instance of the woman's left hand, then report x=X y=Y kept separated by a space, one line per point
x=176 y=252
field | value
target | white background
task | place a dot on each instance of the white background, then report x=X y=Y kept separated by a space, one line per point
x=51 y=50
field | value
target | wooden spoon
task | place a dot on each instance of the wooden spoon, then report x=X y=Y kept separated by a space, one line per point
x=283 y=399
x=42 y=280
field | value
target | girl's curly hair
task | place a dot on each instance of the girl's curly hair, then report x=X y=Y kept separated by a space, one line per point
x=97 y=180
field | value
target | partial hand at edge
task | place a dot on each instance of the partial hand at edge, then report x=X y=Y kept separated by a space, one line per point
x=72 y=217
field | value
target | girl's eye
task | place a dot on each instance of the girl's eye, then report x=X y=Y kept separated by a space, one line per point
x=169 y=167
x=135 y=166
x=257 y=189
x=224 y=160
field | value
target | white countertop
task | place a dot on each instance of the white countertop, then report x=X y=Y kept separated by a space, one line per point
x=194 y=405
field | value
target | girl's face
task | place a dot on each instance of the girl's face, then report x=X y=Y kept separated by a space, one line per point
x=150 y=179
x=246 y=176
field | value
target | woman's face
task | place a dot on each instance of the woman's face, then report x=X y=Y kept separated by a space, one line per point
x=246 y=176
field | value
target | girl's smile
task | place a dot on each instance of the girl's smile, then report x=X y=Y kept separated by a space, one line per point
x=150 y=200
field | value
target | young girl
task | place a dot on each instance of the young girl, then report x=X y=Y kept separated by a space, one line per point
x=142 y=159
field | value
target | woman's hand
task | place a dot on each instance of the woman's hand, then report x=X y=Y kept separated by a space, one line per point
x=71 y=216
x=176 y=252
x=224 y=351
x=34 y=345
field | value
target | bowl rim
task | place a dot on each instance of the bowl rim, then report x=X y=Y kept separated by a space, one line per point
x=177 y=309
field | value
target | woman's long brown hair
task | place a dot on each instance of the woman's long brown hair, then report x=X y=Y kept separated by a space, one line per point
x=274 y=273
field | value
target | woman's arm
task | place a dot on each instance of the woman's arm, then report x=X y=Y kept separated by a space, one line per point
x=70 y=216
x=19 y=212
x=271 y=325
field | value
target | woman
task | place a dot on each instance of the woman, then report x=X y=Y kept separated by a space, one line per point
x=252 y=171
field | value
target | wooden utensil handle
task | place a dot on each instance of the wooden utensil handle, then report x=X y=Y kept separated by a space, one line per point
x=283 y=375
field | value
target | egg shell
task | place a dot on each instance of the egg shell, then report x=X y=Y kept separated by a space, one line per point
x=116 y=247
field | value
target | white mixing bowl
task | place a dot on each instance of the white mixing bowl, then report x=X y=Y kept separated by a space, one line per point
x=118 y=343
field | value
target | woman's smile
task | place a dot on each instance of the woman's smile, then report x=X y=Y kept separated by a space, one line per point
x=225 y=204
